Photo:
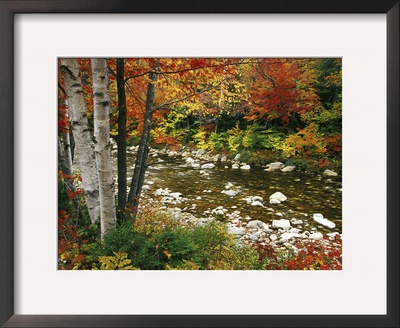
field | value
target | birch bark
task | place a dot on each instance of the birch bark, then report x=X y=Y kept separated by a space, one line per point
x=83 y=144
x=102 y=145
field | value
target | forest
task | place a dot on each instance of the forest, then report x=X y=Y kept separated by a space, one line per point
x=203 y=120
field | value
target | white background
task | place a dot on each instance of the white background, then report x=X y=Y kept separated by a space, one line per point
x=360 y=288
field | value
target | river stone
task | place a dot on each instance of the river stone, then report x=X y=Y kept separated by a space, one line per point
x=162 y=192
x=215 y=158
x=229 y=192
x=176 y=195
x=200 y=152
x=319 y=218
x=289 y=235
x=245 y=167
x=316 y=236
x=274 y=166
x=256 y=224
x=282 y=223
x=189 y=160
x=224 y=159
x=257 y=203
x=237 y=157
x=279 y=196
x=235 y=166
x=288 y=169
x=295 y=221
x=208 y=166
x=254 y=237
x=236 y=231
x=229 y=185
x=329 y=173
x=274 y=201
x=273 y=237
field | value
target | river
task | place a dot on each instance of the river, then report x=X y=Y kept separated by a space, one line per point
x=201 y=190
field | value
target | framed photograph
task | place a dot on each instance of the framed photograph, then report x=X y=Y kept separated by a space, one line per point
x=349 y=47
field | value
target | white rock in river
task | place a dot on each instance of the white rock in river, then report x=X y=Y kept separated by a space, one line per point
x=319 y=218
x=279 y=196
x=316 y=236
x=245 y=167
x=235 y=166
x=237 y=157
x=282 y=223
x=257 y=203
x=208 y=166
x=256 y=224
x=289 y=235
x=230 y=192
x=274 y=201
x=329 y=173
x=229 y=185
x=288 y=169
x=236 y=231
x=295 y=221
x=274 y=166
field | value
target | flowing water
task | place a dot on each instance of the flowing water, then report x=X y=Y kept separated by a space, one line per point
x=307 y=194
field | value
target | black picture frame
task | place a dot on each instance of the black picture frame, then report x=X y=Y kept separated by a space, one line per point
x=7 y=11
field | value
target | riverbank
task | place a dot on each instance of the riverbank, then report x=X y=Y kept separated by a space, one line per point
x=278 y=228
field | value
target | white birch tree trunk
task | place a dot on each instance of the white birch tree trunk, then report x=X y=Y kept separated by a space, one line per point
x=66 y=140
x=102 y=146
x=79 y=125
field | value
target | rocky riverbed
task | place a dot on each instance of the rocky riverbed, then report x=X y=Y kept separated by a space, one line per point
x=273 y=205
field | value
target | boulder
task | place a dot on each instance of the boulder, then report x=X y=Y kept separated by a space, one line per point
x=319 y=218
x=273 y=237
x=235 y=166
x=289 y=235
x=288 y=168
x=274 y=166
x=329 y=173
x=257 y=203
x=245 y=167
x=230 y=192
x=200 y=152
x=236 y=231
x=316 y=236
x=279 y=196
x=208 y=166
x=274 y=201
x=237 y=157
x=255 y=224
x=215 y=158
x=282 y=223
